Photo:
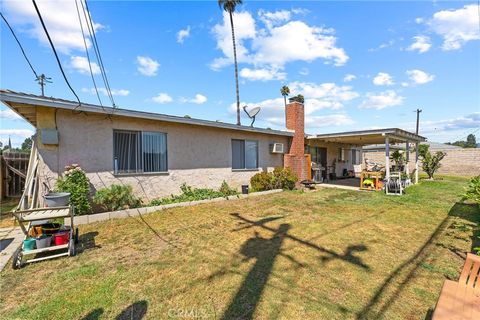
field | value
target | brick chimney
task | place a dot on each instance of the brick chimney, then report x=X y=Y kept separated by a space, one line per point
x=295 y=121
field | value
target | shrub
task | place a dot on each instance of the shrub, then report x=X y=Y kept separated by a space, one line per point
x=262 y=181
x=116 y=197
x=195 y=194
x=280 y=178
x=76 y=183
x=284 y=178
x=472 y=192
x=226 y=190
x=430 y=163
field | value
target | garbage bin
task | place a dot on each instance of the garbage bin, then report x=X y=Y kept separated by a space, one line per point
x=245 y=189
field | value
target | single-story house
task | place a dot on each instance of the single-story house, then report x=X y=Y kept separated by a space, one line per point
x=157 y=153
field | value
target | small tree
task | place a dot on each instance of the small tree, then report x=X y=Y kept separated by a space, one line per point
x=27 y=144
x=298 y=98
x=399 y=158
x=75 y=182
x=430 y=163
x=471 y=141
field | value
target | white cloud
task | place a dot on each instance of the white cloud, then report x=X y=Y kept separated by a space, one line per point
x=60 y=18
x=115 y=92
x=8 y=114
x=16 y=136
x=419 y=76
x=147 y=66
x=384 y=45
x=381 y=100
x=271 y=19
x=183 y=34
x=263 y=74
x=328 y=121
x=244 y=29
x=280 y=42
x=324 y=96
x=349 y=77
x=457 y=27
x=162 y=98
x=383 y=79
x=81 y=65
x=304 y=71
x=198 y=99
x=297 y=41
x=420 y=43
x=470 y=121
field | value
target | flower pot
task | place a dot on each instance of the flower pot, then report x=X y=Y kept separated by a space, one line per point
x=57 y=199
x=43 y=241
x=50 y=228
x=29 y=244
x=60 y=238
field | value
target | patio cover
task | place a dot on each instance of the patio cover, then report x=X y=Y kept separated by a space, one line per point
x=376 y=136
x=368 y=137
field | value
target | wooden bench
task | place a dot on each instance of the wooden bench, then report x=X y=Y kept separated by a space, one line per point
x=461 y=300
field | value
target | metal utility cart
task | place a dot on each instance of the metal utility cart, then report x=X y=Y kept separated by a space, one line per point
x=40 y=214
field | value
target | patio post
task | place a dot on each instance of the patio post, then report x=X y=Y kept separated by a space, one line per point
x=387 y=158
x=407 y=158
x=416 y=162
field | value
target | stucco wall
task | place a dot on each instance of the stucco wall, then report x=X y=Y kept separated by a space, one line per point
x=199 y=156
x=460 y=162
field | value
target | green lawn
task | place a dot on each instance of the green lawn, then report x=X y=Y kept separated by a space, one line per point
x=330 y=254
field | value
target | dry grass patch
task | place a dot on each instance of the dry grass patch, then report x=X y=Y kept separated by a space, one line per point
x=331 y=254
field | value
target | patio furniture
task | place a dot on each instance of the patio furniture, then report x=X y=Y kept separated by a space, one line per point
x=375 y=176
x=357 y=169
x=461 y=300
x=41 y=215
x=393 y=185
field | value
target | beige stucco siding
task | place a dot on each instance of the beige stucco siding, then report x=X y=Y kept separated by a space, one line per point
x=199 y=156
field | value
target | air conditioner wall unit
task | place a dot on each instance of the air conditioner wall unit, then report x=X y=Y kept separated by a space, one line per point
x=277 y=148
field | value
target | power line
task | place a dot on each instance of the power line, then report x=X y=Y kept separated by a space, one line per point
x=20 y=45
x=55 y=52
x=91 y=30
x=88 y=55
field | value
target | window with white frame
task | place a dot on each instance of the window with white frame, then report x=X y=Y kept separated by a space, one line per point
x=356 y=156
x=244 y=154
x=138 y=152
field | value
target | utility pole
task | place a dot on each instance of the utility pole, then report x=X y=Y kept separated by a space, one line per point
x=42 y=81
x=418 y=111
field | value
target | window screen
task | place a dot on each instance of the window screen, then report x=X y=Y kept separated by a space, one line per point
x=244 y=154
x=135 y=151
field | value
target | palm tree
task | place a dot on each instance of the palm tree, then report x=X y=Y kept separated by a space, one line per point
x=229 y=6
x=285 y=91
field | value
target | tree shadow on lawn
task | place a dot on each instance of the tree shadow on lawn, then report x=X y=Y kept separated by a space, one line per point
x=135 y=311
x=380 y=302
x=265 y=251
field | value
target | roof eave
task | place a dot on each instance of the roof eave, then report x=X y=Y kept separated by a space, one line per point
x=10 y=97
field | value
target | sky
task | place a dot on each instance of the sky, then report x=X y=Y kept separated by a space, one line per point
x=360 y=65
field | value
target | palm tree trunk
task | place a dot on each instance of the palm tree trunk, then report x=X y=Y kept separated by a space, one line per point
x=285 y=100
x=236 y=69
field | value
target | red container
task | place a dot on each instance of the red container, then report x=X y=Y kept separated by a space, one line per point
x=60 y=238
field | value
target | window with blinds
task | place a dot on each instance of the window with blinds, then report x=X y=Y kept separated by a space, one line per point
x=137 y=152
x=244 y=154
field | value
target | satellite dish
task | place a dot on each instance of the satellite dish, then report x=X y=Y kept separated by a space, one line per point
x=252 y=113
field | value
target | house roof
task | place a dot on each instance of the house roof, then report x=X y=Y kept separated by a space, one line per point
x=23 y=104
x=367 y=137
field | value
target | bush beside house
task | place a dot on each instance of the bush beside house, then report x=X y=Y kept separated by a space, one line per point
x=280 y=178
x=116 y=197
x=76 y=183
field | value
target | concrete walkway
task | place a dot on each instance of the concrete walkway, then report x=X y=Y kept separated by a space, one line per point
x=10 y=240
